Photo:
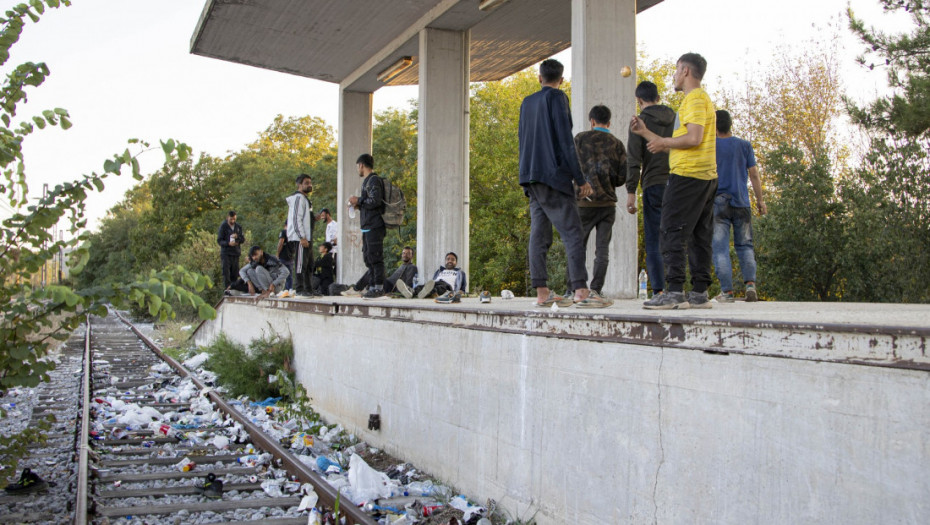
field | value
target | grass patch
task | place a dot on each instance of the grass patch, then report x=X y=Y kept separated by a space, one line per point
x=246 y=371
x=174 y=338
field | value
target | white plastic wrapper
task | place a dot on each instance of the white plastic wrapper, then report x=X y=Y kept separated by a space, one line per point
x=197 y=361
x=367 y=483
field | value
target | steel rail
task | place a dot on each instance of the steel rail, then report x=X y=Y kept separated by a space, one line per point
x=328 y=495
x=80 y=506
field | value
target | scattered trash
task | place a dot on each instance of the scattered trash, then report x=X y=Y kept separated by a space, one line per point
x=185 y=465
x=367 y=483
x=506 y=294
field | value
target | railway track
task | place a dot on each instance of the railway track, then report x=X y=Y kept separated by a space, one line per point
x=138 y=439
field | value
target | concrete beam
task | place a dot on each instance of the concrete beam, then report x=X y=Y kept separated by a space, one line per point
x=442 y=154
x=355 y=128
x=603 y=41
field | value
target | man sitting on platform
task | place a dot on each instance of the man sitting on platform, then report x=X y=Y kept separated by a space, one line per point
x=264 y=273
x=401 y=281
x=449 y=282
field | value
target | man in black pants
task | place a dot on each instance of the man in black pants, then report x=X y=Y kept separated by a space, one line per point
x=371 y=205
x=230 y=238
x=688 y=207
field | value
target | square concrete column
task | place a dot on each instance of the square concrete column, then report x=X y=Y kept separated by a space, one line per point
x=442 y=155
x=603 y=41
x=354 y=139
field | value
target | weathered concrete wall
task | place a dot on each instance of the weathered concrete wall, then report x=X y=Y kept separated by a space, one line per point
x=602 y=432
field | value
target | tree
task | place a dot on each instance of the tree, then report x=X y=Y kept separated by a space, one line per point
x=33 y=316
x=394 y=147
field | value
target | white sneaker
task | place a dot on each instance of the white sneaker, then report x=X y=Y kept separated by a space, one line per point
x=404 y=290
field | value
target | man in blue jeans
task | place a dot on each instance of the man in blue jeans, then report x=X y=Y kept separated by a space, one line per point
x=649 y=170
x=736 y=164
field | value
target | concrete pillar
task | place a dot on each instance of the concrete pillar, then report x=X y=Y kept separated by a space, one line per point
x=354 y=139
x=442 y=155
x=603 y=41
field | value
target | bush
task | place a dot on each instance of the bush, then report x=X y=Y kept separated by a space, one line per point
x=246 y=371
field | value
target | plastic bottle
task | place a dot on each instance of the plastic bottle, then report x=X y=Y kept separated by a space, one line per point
x=642 y=284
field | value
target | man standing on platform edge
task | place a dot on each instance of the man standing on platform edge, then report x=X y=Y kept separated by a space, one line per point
x=548 y=165
x=300 y=234
x=230 y=239
x=688 y=207
x=371 y=206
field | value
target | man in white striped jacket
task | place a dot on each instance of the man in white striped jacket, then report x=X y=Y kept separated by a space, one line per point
x=300 y=234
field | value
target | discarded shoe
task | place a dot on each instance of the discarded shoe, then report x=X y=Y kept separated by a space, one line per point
x=28 y=483
x=403 y=289
x=449 y=297
x=484 y=297
x=427 y=289
x=212 y=487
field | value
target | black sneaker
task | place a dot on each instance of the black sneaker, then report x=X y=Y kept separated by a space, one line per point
x=373 y=293
x=667 y=301
x=28 y=483
x=212 y=487
x=427 y=289
x=699 y=300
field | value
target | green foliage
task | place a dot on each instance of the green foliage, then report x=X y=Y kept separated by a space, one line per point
x=905 y=56
x=800 y=243
x=34 y=315
x=299 y=408
x=246 y=372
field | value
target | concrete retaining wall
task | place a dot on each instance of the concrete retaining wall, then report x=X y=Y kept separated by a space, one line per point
x=592 y=432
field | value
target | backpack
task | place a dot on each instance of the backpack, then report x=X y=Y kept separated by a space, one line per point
x=395 y=204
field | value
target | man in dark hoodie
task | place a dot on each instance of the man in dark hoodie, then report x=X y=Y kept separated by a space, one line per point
x=230 y=238
x=650 y=170
x=603 y=162
x=371 y=205
x=548 y=166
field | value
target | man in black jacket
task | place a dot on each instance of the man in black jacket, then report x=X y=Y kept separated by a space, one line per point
x=371 y=205
x=649 y=170
x=230 y=238
x=324 y=270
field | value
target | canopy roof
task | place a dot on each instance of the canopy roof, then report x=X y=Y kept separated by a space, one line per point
x=350 y=41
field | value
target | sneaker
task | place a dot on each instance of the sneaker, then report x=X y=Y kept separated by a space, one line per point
x=594 y=300
x=449 y=297
x=484 y=297
x=373 y=293
x=351 y=292
x=562 y=300
x=404 y=290
x=667 y=301
x=427 y=289
x=212 y=487
x=28 y=483
x=751 y=294
x=699 y=300
x=725 y=297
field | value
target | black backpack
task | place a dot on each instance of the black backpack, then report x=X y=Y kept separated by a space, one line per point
x=395 y=204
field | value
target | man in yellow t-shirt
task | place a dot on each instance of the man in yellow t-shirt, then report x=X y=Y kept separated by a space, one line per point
x=688 y=203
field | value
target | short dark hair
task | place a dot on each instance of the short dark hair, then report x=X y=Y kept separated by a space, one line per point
x=647 y=91
x=724 y=121
x=231 y=213
x=411 y=249
x=328 y=246
x=550 y=70
x=301 y=178
x=366 y=160
x=695 y=63
x=254 y=249
x=600 y=114
x=324 y=210
x=454 y=255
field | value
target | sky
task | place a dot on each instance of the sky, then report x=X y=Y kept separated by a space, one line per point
x=123 y=69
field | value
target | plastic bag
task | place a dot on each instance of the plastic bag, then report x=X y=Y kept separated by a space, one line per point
x=367 y=483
